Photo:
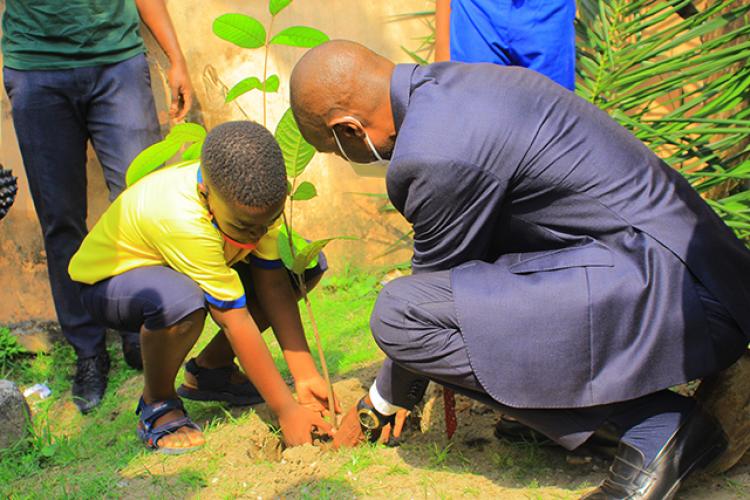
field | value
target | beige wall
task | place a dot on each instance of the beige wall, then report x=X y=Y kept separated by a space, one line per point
x=24 y=291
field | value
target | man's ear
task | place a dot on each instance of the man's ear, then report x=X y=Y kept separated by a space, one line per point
x=347 y=126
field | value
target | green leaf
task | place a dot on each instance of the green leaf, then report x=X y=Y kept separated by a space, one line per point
x=242 y=87
x=307 y=254
x=285 y=251
x=305 y=191
x=186 y=132
x=297 y=152
x=276 y=6
x=272 y=84
x=252 y=83
x=243 y=31
x=193 y=152
x=150 y=159
x=300 y=36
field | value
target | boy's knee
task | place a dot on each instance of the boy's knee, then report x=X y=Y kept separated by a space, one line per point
x=189 y=324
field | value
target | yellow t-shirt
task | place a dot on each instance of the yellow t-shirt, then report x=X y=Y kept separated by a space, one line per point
x=162 y=220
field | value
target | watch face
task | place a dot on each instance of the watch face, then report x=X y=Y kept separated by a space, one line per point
x=368 y=419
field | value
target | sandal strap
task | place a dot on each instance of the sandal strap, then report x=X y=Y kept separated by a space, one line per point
x=149 y=413
x=151 y=436
x=210 y=379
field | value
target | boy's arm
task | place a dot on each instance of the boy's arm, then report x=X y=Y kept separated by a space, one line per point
x=296 y=421
x=278 y=300
x=155 y=15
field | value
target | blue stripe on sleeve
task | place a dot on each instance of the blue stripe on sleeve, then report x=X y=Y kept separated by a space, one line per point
x=226 y=304
x=265 y=264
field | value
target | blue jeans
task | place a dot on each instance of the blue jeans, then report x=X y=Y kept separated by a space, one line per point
x=55 y=113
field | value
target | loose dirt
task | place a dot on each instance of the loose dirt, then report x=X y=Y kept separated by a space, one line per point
x=244 y=458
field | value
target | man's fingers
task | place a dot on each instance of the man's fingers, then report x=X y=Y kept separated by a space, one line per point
x=174 y=105
x=322 y=426
x=399 y=425
x=187 y=105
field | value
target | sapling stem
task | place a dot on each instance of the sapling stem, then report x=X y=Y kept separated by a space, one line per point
x=323 y=365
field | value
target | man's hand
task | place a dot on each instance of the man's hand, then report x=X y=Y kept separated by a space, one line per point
x=181 y=90
x=350 y=434
x=297 y=424
x=390 y=436
x=312 y=393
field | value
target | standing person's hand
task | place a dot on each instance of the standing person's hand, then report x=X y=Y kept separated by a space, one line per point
x=297 y=424
x=181 y=90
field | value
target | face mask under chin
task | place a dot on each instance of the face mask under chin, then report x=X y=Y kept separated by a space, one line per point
x=377 y=168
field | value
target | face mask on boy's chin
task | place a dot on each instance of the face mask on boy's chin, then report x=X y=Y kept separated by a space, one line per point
x=377 y=168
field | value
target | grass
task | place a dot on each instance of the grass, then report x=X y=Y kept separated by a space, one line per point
x=67 y=455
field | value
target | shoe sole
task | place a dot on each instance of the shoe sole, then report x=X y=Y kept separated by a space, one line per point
x=222 y=397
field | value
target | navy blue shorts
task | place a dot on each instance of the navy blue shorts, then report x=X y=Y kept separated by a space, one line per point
x=157 y=296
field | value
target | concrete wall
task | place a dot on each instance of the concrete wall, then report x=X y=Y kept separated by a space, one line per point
x=24 y=291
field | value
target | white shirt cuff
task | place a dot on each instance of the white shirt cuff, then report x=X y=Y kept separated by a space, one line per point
x=380 y=404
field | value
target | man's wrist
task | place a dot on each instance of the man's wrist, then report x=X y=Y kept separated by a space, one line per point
x=378 y=402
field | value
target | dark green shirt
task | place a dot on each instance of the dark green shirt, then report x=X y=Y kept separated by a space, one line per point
x=60 y=34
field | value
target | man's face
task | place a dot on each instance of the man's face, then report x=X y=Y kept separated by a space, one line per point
x=352 y=137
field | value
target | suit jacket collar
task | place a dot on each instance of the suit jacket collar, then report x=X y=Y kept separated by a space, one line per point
x=401 y=91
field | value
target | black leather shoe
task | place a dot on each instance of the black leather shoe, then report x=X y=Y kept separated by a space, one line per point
x=698 y=441
x=131 y=351
x=90 y=381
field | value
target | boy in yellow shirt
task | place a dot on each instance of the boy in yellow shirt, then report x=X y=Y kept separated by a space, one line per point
x=196 y=237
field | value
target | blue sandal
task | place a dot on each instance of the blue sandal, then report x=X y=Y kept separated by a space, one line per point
x=151 y=435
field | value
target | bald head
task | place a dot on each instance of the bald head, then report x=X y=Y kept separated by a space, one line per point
x=339 y=78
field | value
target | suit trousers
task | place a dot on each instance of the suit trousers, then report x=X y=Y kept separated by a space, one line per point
x=415 y=323
x=55 y=113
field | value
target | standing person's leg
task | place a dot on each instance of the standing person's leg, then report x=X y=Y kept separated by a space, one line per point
x=542 y=38
x=122 y=122
x=49 y=119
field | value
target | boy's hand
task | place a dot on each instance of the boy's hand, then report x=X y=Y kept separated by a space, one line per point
x=297 y=424
x=312 y=393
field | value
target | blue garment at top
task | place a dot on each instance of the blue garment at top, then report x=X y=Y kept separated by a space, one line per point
x=535 y=34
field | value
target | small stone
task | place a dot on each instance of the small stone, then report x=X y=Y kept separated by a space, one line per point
x=14 y=414
x=577 y=459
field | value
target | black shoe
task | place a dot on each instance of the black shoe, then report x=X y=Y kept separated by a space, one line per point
x=90 y=381
x=131 y=351
x=214 y=384
x=698 y=441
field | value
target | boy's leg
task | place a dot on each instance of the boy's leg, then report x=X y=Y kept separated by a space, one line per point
x=164 y=351
x=169 y=310
x=122 y=122
x=218 y=352
x=213 y=375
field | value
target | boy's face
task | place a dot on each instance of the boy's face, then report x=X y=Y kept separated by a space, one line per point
x=242 y=223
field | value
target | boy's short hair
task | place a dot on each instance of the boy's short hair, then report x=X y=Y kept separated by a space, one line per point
x=244 y=163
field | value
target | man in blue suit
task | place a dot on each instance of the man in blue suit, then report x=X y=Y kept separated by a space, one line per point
x=562 y=272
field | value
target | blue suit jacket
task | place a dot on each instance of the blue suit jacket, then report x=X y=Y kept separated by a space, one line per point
x=574 y=249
